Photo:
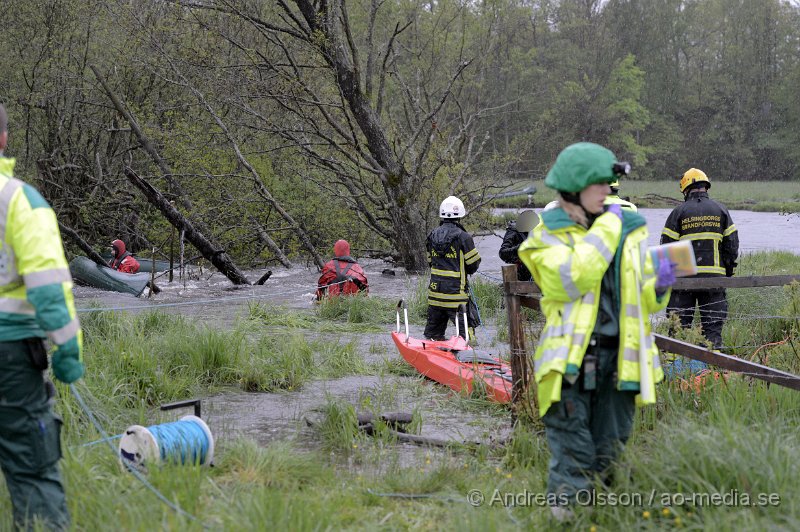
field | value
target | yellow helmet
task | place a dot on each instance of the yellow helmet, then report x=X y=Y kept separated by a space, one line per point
x=693 y=175
x=614 y=184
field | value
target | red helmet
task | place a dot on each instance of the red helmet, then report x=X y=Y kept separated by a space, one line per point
x=119 y=247
x=341 y=248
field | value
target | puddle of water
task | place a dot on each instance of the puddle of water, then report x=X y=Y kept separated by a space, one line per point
x=272 y=417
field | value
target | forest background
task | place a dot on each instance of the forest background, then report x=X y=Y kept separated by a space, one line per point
x=275 y=128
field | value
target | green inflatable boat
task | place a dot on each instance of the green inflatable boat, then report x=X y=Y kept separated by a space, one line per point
x=85 y=271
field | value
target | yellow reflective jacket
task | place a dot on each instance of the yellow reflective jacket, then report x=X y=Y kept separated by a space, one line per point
x=613 y=199
x=568 y=263
x=35 y=283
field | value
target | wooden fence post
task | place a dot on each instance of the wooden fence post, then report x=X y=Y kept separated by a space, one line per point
x=172 y=252
x=516 y=334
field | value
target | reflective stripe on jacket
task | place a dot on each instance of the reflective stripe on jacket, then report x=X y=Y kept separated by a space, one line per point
x=452 y=256
x=35 y=283
x=568 y=263
x=712 y=232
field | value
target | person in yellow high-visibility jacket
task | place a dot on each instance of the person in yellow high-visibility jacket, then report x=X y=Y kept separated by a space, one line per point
x=35 y=303
x=596 y=356
x=614 y=197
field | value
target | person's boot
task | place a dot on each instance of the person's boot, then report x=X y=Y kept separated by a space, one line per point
x=473 y=340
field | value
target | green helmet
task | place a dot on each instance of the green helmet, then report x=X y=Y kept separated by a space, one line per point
x=580 y=165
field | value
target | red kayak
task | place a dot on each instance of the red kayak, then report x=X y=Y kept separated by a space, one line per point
x=455 y=364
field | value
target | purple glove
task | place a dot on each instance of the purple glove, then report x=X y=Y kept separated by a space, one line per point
x=665 y=276
x=615 y=208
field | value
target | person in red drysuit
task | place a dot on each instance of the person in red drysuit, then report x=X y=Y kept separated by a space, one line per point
x=123 y=261
x=341 y=274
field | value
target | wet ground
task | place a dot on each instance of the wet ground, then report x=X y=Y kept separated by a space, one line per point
x=211 y=299
x=267 y=417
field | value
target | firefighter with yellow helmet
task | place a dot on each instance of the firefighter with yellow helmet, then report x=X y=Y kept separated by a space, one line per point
x=596 y=357
x=709 y=227
x=614 y=197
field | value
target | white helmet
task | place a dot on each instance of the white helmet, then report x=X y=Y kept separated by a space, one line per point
x=452 y=207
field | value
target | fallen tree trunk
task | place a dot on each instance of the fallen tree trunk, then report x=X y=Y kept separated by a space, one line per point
x=271 y=245
x=217 y=257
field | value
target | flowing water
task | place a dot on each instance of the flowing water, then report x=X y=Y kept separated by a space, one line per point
x=210 y=298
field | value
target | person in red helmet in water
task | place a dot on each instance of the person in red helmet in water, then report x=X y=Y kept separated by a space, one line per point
x=122 y=261
x=341 y=274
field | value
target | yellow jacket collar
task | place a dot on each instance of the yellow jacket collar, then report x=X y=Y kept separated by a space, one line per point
x=7 y=165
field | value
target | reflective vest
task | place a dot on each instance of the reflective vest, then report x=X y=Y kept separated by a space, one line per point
x=568 y=263
x=708 y=225
x=612 y=199
x=35 y=283
x=452 y=256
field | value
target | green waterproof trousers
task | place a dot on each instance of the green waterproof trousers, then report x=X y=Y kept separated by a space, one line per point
x=586 y=431
x=30 y=444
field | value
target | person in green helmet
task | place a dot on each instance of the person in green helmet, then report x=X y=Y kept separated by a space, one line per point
x=596 y=357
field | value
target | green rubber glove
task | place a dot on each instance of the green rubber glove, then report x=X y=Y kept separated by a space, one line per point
x=67 y=365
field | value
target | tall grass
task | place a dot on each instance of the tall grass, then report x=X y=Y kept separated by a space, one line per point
x=352 y=314
x=488 y=296
x=758 y=317
x=154 y=357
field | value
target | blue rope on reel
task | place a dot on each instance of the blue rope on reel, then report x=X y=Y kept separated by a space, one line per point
x=188 y=441
x=185 y=440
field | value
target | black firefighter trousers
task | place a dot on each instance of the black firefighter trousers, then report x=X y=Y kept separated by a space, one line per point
x=713 y=307
x=437 y=322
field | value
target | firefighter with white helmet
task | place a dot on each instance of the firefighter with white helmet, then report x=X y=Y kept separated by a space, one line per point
x=452 y=256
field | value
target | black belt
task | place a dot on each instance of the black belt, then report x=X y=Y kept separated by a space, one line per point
x=599 y=340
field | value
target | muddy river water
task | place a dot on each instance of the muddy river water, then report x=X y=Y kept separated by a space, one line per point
x=212 y=299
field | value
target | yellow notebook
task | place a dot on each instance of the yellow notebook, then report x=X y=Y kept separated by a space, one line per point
x=680 y=253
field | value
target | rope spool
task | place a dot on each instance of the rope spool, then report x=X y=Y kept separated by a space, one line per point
x=187 y=441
